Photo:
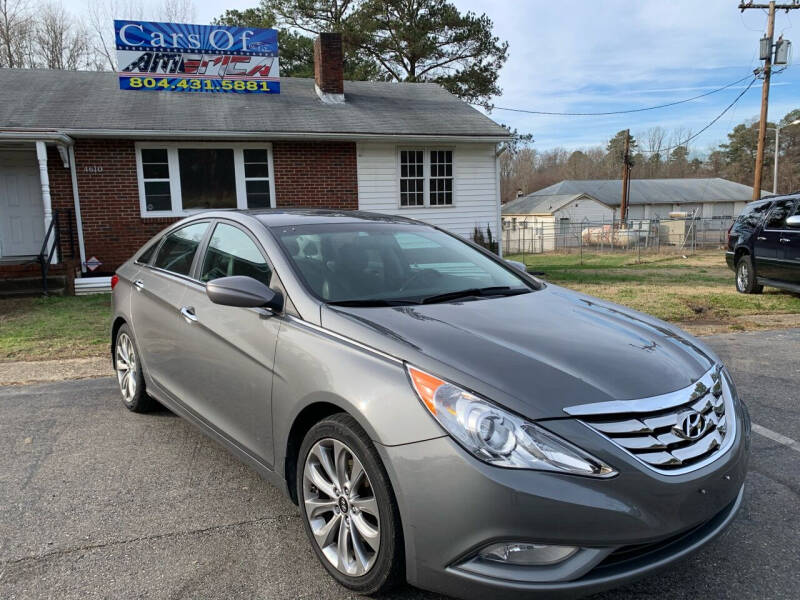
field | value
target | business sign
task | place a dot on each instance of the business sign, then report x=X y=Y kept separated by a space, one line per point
x=196 y=58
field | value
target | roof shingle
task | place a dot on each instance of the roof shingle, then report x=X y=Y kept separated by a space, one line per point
x=81 y=100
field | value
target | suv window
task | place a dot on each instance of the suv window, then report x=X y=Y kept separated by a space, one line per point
x=177 y=252
x=232 y=252
x=751 y=215
x=777 y=216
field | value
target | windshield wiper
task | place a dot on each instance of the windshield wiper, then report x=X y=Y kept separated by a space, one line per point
x=500 y=290
x=376 y=302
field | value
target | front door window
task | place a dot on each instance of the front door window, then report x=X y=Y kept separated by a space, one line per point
x=232 y=252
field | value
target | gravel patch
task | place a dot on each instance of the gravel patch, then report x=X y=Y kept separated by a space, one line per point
x=24 y=371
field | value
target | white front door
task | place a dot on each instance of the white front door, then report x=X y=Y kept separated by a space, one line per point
x=21 y=209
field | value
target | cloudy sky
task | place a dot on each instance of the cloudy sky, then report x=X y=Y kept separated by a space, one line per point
x=589 y=56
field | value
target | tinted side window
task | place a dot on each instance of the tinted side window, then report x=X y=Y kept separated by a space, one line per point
x=144 y=257
x=751 y=216
x=232 y=252
x=777 y=216
x=177 y=252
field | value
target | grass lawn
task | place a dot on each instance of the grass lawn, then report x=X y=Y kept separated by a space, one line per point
x=55 y=327
x=697 y=291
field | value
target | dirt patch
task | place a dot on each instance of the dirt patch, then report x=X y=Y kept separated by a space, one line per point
x=33 y=371
x=740 y=323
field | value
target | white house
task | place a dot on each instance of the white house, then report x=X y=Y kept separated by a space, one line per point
x=111 y=167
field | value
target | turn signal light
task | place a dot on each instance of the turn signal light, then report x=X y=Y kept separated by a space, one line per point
x=425 y=385
x=114 y=281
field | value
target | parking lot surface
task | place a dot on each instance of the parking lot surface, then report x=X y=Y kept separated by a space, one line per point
x=97 y=502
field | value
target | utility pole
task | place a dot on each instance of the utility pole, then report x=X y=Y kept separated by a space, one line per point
x=767 y=71
x=626 y=173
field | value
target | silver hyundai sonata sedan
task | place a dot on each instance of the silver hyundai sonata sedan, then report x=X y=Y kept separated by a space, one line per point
x=438 y=415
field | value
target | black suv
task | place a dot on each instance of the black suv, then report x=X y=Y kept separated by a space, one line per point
x=764 y=245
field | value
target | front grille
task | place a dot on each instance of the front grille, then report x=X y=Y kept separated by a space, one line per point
x=671 y=433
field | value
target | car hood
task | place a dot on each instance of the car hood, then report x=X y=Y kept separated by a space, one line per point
x=535 y=353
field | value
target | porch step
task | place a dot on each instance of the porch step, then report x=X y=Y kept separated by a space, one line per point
x=32 y=286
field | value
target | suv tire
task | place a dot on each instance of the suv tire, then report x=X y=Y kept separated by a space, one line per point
x=746 y=277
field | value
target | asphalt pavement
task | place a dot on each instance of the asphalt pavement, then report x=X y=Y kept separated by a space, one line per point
x=97 y=502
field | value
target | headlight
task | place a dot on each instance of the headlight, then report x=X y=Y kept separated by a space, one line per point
x=498 y=437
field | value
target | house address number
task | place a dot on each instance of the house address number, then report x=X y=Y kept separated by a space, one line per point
x=93 y=169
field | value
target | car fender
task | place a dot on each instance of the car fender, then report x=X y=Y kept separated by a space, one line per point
x=313 y=366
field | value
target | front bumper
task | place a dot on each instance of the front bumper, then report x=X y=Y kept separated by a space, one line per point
x=452 y=505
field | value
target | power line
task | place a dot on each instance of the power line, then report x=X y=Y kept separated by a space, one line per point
x=717 y=118
x=620 y=112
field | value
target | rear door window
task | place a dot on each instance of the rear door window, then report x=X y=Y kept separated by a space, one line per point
x=777 y=216
x=144 y=257
x=751 y=216
x=232 y=252
x=177 y=252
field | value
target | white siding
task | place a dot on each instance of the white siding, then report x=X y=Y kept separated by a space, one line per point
x=475 y=195
x=636 y=211
x=658 y=211
x=585 y=210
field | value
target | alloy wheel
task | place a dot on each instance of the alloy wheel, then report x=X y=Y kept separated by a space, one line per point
x=126 y=367
x=341 y=508
x=743 y=277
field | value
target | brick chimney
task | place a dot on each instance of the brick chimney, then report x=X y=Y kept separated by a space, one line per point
x=328 y=69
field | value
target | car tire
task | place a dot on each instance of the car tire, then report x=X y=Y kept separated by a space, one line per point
x=130 y=376
x=339 y=442
x=746 y=282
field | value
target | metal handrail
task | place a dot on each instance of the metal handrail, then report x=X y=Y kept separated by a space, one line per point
x=49 y=250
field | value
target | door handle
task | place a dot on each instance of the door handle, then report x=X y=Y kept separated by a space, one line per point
x=138 y=284
x=784 y=240
x=761 y=238
x=188 y=313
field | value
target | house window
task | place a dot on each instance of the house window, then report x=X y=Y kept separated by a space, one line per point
x=441 y=183
x=426 y=177
x=207 y=178
x=155 y=176
x=412 y=178
x=175 y=179
x=256 y=177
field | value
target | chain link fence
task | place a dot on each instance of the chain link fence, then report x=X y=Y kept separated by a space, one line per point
x=638 y=235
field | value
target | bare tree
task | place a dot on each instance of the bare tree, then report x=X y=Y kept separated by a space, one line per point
x=101 y=20
x=61 y=41
x=103 y=12
x=654 y=139
x=176 y=11
x=16 y=29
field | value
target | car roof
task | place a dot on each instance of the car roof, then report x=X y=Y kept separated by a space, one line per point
x=299 y=216
x=791 y=196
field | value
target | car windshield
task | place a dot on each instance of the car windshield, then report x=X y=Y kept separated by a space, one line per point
x=386 y=264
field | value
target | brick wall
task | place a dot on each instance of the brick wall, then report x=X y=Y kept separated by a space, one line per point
x=316 y=174
x=113 y=228
x=307 y=174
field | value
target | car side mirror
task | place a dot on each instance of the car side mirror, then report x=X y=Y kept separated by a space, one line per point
x=518 y=265
x=244 y=292
x=793 y=222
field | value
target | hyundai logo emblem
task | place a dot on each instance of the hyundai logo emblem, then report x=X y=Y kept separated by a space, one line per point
x=690 y=426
